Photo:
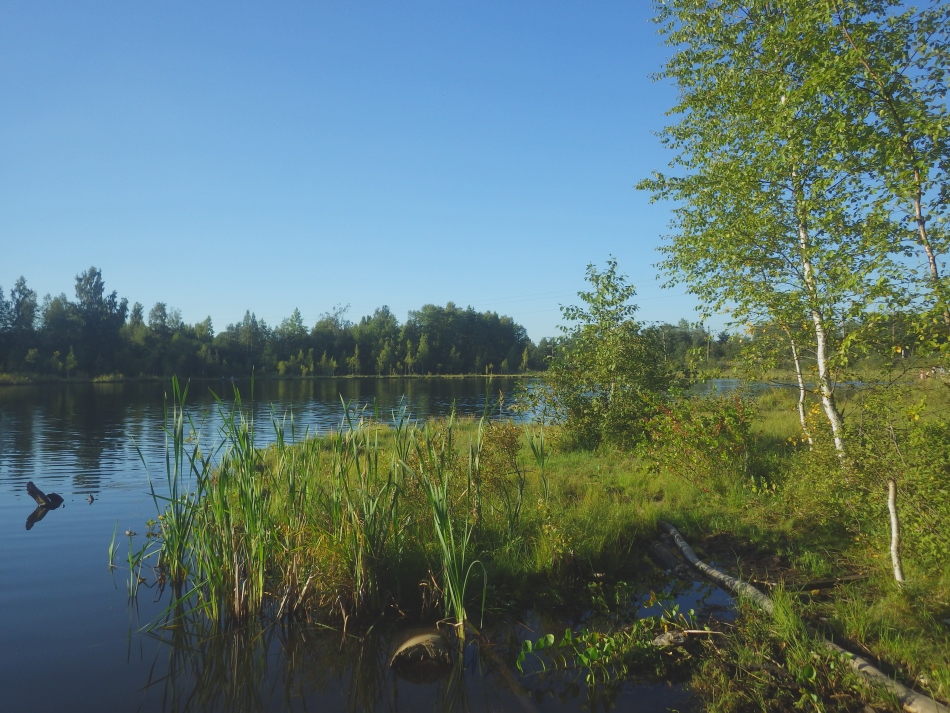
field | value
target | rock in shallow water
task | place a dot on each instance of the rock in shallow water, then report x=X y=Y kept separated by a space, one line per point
x=422 y=656
x=670 y=638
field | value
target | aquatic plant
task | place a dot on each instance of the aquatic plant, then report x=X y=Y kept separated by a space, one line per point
x=602 y=656
x=453 y=542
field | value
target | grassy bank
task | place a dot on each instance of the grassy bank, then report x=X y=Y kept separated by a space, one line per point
x=474 y=520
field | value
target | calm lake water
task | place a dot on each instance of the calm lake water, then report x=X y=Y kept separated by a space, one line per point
x=70 y=639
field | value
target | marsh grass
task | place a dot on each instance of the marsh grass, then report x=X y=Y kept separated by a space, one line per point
x=453 y=538
x=773 y=663
x=377 y=517
x=473 y=515
x=826 y=519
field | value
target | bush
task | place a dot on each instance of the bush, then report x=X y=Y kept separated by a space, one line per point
x=889 y=435
x=895 y=438
x=706 y=440
x=605 y=380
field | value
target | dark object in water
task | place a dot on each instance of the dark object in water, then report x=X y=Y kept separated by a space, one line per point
x=422 y=657
x=44 y=503
x=50 y=502
x=90 y=498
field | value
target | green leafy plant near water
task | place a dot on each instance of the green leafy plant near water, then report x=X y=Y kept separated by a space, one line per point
x=454 y=540
x=603 y=656
x=709 y=441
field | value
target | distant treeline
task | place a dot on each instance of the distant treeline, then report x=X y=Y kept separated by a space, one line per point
x=98 y=333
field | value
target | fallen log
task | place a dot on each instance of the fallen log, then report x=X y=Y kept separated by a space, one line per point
x=667 y=559
x=724 y=580
x=423 y=656
x=910 y=700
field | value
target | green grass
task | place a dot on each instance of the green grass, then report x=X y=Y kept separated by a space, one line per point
x=469 y=517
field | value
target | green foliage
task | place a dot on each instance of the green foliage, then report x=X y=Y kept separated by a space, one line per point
x=341 y=527
x=454 y=539
x=708 y=441
x=604 y=382
x=806 y=132
x=896 y=432
x=105 y=337
x=70 y=364
x=774 y=664
x=608 y=656
x=905 y=436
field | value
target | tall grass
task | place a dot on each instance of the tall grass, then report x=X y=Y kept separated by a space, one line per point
x=369 y=516
x=453 y=539
x=294 y=528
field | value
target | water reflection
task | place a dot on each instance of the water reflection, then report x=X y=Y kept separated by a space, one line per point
x=87 y=436
x=290 y=667
x=299 y=665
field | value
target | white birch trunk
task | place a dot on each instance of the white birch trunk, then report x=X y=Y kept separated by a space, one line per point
x=895 y=532
x=801 y=388
x=825 y=386
x=928 y=249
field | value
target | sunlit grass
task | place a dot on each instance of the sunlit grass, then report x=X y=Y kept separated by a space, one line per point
x=469 y=516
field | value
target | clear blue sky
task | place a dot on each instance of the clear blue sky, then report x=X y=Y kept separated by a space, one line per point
x=229 y=156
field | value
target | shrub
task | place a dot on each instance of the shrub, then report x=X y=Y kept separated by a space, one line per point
x=706 y=440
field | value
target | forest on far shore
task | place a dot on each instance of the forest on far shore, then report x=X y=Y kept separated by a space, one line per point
x=98 y=333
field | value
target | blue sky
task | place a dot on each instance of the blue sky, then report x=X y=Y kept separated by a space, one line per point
x=229 y=156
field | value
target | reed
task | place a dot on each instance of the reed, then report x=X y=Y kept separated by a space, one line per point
x=453 y=540
x=179 y=507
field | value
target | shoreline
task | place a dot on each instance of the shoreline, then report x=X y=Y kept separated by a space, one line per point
x=18 y=380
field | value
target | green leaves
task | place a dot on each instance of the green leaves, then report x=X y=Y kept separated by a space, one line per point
x=605 y=378
x=806 y=135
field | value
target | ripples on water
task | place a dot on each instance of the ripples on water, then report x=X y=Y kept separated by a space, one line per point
x=86 y=434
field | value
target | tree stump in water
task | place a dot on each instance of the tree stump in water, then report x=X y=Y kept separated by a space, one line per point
x=44 y=503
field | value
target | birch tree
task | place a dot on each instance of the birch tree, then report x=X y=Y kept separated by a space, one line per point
x=770 y=220
x=894 y=61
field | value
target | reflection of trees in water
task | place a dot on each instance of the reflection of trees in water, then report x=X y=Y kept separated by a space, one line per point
x=84 y=433
x=18 y=427
x=269 y=667
x=92 y=424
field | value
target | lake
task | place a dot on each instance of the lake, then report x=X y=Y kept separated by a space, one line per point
x=70 y=638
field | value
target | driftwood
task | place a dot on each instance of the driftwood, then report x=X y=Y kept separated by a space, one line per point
x=50 y=502
x=422 y=656
x=723 y=580
x=44 y=503
x=910 y=700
